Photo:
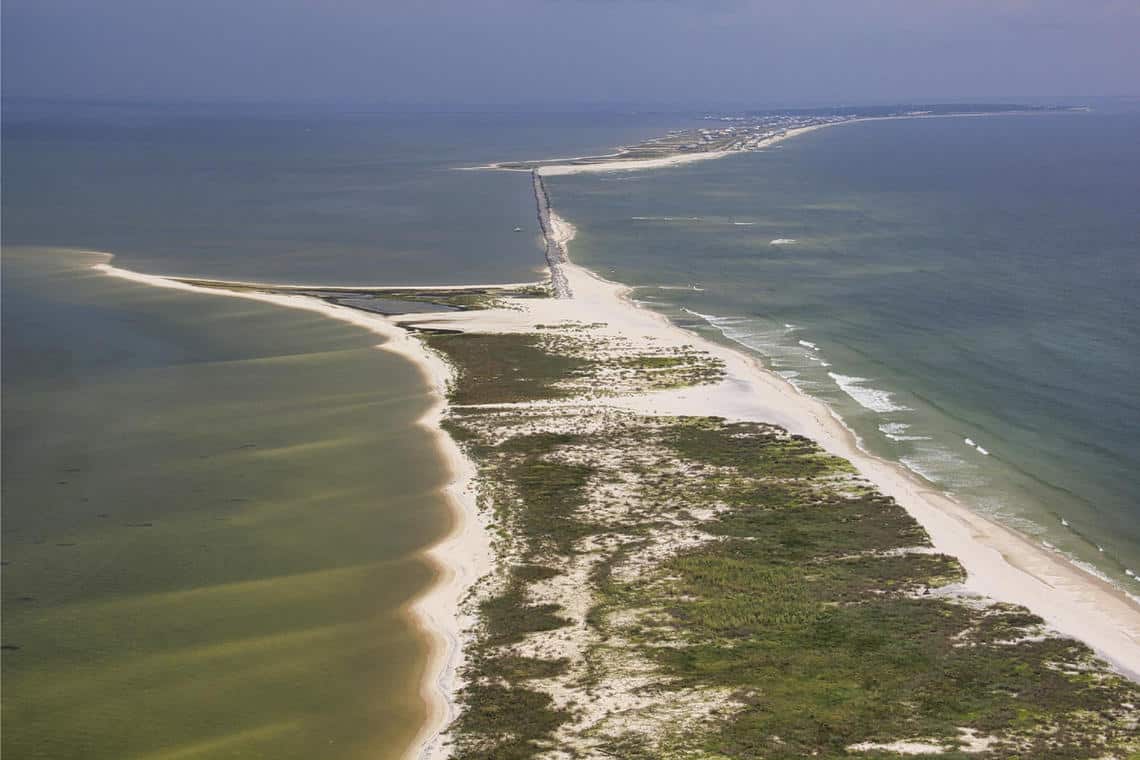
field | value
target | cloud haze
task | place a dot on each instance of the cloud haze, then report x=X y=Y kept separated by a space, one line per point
x=546 y=51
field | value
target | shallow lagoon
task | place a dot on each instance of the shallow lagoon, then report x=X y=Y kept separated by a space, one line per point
x=213 y=514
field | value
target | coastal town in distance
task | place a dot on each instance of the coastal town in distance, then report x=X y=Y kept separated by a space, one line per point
x=756 y=130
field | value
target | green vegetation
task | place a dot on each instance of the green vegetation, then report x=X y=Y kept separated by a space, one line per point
x=513 y=720
x=465 y=299
x=378 y=299
x=512 y=368
x=734 y=591
x=498 y=369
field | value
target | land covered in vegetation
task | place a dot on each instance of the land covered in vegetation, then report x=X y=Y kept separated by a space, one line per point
x=686 y=586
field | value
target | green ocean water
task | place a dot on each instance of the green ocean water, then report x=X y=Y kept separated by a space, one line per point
x=203 y=557
x=961 y=291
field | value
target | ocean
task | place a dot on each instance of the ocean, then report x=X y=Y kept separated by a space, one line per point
x=962 y=291
x=216 y=511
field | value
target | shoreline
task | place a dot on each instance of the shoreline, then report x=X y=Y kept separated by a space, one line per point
x=940 y=513
x=1000 y=562
x=462 y=556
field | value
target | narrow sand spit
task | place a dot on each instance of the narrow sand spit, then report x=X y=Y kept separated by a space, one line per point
x=612 y=162
x=1001 y=563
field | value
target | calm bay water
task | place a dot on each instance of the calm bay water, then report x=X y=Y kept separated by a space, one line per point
x=935 y=281
x=215 y=511
x=292 y=195
x=213 y=517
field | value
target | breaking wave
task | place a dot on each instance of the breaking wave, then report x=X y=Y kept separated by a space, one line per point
x=869 y=398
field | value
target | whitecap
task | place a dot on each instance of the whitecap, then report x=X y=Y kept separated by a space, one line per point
x=806 y=344
x=896 y=431
x=782 y=241
x=869 y=398
x=969 y=442
x=983 y=452
x=707 y=317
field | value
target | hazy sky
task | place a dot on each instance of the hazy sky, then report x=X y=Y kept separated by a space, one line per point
x=549 y=51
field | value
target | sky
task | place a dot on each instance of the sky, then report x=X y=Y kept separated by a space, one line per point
x=667 y=52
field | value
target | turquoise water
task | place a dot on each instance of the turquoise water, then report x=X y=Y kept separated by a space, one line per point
x=946 y=279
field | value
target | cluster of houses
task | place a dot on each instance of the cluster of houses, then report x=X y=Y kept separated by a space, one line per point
x=748 y=133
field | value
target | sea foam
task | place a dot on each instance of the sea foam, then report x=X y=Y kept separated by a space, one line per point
x=869 y=398
x=896 y=431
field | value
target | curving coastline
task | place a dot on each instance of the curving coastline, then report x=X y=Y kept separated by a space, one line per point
x=1000 y=563
x=461 y=557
